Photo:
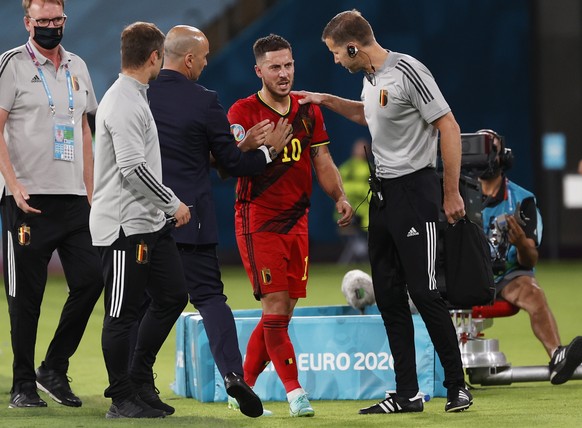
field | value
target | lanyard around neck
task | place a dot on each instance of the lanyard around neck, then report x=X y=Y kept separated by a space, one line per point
x=509 y=196
x=45 y=85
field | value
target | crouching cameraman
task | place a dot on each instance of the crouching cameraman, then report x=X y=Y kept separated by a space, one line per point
x=513 y=226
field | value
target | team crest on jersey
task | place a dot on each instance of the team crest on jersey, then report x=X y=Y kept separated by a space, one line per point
x=238 y=132
x=141 y=253
x=266 y=275
x=383 y=97
x=24 y=234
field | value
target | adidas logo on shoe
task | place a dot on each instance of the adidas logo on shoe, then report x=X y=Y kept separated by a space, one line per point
x=565 y=361
x=35 y=79
x=412 y=232
x=458 y=400
x=395 y=404
x=25 y=395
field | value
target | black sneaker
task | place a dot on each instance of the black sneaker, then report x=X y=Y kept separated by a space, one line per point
x=249 y=402
x=56 y=385
x=133 y=407
x=25 y=396
x=395 y=404
x=565 y=361
x=150 y=395
x=458 y=399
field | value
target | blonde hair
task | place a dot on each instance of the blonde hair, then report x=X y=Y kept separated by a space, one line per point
x=26 y=4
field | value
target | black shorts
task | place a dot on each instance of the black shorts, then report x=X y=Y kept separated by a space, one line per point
x=510 y=277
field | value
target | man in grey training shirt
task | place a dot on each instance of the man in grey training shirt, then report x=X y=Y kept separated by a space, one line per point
x=46 y=160
x=129 y=226
x=404 y=111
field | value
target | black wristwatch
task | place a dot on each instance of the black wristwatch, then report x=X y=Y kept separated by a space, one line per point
x=272 y=152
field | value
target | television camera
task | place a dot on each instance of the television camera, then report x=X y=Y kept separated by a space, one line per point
x=481 y=158
x=482 y=359
x=478 y=154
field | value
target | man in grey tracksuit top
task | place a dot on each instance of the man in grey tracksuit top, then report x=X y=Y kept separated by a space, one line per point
x=129 y=227
x=405 y=112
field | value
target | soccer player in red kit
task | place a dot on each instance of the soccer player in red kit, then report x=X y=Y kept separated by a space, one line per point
x=271 y=212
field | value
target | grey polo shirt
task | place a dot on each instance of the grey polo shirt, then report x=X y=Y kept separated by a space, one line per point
x=128 y=192
x=399 y=110
x=29 y=129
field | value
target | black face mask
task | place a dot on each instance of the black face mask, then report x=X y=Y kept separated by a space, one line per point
x=493 y=170
x=47 y=37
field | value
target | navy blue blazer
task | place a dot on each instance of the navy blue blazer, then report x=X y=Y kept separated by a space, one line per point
x=192 y=124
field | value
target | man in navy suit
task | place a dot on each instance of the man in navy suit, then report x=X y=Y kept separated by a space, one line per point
x=193 y=128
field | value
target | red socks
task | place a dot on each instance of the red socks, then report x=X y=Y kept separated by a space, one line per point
x=257 y=357
x=270 y=341
x=281 y=350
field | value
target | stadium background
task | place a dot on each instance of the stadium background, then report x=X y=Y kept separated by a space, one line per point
x=511 y=66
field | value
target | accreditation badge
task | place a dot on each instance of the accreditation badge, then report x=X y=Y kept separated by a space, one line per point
x=64 y=138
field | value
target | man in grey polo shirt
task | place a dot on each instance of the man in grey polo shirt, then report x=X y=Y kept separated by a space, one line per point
x=129 y=226
x=404 y=111
x=47 y=163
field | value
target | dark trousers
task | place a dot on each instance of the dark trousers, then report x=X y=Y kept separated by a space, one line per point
x=206 y=292
x=135 y=268
x=28 y=244
x=402 y=247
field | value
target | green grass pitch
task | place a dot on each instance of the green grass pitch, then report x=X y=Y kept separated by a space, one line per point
x=517 y=405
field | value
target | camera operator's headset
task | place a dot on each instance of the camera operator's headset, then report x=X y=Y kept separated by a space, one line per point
x=505 y=154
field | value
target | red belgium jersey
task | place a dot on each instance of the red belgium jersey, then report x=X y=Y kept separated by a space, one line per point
x=278 y=199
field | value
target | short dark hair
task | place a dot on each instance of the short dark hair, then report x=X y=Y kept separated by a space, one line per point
x=26 y=4
x=138 y=41
x=270 y=43
x=348 y=26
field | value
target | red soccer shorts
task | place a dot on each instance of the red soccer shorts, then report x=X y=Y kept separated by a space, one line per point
x=275 y=262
